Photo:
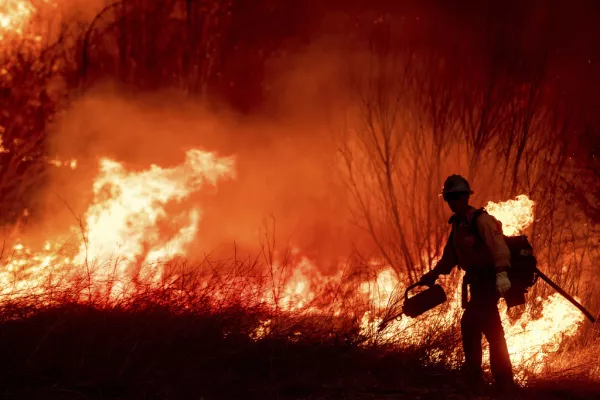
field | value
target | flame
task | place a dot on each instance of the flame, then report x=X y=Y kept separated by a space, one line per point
x=123 y=242
x=14 y=16
x=120 y=229
x=122 y=221
x=72 y=163
x=515 y=215
x=532 y=341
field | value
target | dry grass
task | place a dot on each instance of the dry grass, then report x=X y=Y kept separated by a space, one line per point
x=217 y=334
x=152 y=353
x=149 y=352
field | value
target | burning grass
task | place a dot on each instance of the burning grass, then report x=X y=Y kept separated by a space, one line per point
x=223 y=319
x=205 y=336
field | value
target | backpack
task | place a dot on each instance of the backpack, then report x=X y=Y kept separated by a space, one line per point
x=523 y=273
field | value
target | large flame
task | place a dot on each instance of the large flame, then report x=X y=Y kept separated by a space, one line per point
x=122 y=240
x=516 y=215
x=122 y=222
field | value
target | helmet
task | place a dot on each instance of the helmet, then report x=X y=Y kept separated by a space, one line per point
x=456 y=184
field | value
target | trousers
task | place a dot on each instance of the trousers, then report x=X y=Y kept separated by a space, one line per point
x=481 y=318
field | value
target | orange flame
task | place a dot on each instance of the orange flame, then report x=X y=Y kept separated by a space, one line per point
x=122 y=222
x=515 y=215
x=120 y=228
x=532 y=341
x=14 y=16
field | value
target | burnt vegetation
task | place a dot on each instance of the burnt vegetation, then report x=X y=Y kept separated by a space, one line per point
x=498 y=90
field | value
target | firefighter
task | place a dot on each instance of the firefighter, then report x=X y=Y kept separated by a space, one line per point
x=485 y=257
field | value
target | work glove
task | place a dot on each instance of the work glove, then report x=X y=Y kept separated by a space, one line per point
x=428 y=279
x=502 y=283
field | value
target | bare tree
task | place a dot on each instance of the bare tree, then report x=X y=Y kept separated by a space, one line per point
x=419 y=116
x=394 y=154
x=150 y=44
x=26 y=108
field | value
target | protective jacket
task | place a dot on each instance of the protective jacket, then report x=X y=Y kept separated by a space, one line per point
x=475 y=250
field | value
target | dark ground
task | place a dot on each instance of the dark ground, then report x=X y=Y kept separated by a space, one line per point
x=81 y=353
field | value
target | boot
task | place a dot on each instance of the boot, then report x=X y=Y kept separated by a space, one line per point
x=505 y=387
x=472 y=379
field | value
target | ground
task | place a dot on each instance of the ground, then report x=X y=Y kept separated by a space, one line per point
x=75 y=352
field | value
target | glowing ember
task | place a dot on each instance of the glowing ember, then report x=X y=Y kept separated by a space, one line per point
x=515 y=215
x=2 y=148
x=67 y=163
x=264 y=328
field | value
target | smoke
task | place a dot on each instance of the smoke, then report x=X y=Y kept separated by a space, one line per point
x=287 y=186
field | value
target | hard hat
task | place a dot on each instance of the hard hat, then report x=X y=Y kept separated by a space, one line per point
x=456 y=184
